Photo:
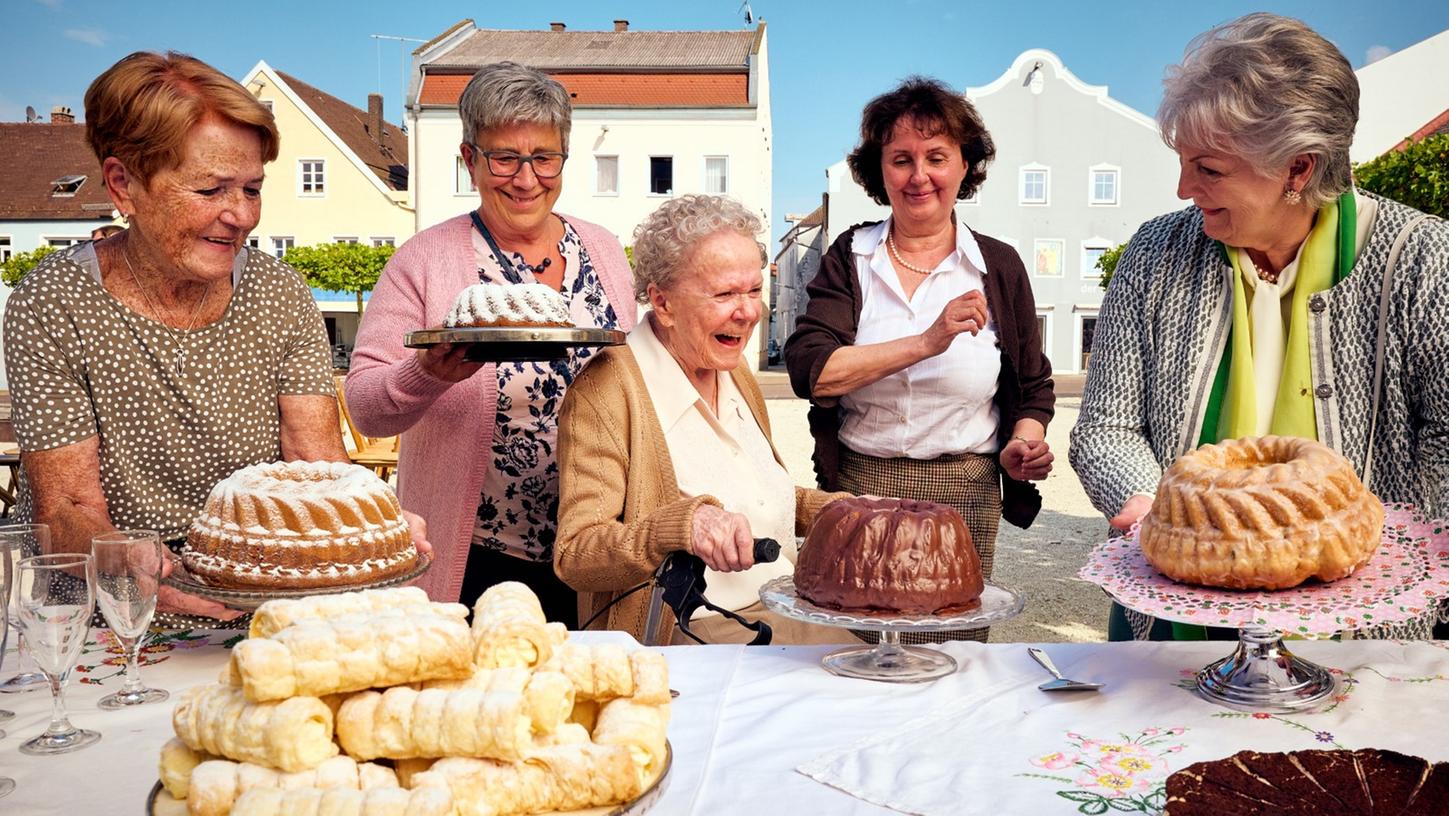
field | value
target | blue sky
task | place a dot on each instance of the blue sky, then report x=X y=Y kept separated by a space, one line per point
x=826 y=59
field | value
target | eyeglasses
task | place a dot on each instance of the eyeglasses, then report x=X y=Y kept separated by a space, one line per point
x=506 y=163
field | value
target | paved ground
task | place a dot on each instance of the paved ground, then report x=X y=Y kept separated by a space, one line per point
x=1042 y=562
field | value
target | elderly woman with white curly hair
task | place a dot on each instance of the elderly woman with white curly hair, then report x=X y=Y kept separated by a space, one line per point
x=664 y=443
x=1284 y=301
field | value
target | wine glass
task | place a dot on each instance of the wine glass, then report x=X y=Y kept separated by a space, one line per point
x=128 y=570
x=7 y=575
x=57 y=600
x=22 y=541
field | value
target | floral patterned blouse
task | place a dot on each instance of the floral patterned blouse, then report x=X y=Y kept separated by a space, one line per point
x=518 y=511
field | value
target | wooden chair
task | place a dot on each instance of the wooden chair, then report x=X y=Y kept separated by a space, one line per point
x=380 y=454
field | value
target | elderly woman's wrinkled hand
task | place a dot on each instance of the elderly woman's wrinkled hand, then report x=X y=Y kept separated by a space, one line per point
x=722 y=539
x=447 y=362
x=966 y=313
x=418 y=530
x=170 y=599
x=1027 y=460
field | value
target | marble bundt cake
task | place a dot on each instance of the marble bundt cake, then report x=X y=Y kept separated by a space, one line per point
x=497 y=305
x=298 y=525
x=1261 y=513
x=892 y=555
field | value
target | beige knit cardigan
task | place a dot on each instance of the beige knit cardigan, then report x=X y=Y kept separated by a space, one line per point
x=620 y=512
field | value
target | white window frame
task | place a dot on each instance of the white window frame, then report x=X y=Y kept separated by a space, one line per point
x=1036 y=245
x=7 y=247
x=302 y=174
x=344 y=239
x=618 y=176
x=1046 y=197
x=1089 y=271
x=1092 y=200
x=384 y=240
x=1079 y=315
x=704 y=174
x=277 y=240
x=673 y=176
x=1047 y=336
x=460 y=172
x=64 y=241
x=254 y=242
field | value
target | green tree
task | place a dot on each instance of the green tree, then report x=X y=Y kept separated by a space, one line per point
x=1418 y=175
x=340 y=267
x=20 y=264
x=1107 y=262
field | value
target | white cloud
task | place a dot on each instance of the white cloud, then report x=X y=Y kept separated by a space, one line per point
x=89 y=36
x=1376 y=53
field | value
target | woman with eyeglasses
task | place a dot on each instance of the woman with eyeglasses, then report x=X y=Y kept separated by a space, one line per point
x=477 y=457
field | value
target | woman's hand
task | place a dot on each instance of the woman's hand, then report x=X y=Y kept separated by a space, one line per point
x=170 y=599
x=1027 y=460
x=418 y=529
x=447 y=362
x=1132 y=512
x=966 y=313
x=722 y=539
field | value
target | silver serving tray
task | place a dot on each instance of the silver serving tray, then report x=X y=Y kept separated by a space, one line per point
x=515 y=343
x=250 y=599
x=160 y=803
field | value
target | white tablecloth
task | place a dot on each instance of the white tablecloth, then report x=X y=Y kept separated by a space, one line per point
x=980 y=741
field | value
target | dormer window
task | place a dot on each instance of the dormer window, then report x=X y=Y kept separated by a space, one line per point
x=66 y=186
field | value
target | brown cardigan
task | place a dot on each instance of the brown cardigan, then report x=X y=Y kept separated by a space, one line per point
x=833 y=314
x=620 y=512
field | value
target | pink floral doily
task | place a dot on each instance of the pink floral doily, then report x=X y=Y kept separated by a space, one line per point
x=1404 y=580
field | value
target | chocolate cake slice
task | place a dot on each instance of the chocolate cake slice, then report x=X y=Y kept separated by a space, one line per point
x=1369 y=782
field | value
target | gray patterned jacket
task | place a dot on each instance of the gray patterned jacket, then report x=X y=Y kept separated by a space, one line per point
x=1164 y=325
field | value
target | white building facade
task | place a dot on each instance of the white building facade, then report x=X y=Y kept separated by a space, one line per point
x=656 y=114
x=1076 y=172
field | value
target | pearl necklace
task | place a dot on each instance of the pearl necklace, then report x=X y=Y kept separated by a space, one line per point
x=195 y=313
x=891 y=245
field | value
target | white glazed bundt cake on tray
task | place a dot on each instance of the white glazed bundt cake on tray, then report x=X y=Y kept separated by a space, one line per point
x=299 y=525
x=498 y=305
x=1261 y=513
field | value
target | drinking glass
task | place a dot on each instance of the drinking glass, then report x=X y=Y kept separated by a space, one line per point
x=7 y=576
x=22 y=541
x=128 y=571
x=57 y=600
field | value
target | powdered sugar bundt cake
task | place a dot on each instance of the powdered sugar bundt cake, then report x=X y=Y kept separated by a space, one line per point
x=299 y=525
x=896 y=555
x=1261 y=513
x=523 y=304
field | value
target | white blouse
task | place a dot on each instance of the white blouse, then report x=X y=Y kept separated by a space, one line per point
x=943 y=404
x=725 y=456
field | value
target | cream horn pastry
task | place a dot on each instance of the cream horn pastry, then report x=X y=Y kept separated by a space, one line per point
x=291 y=735
x=216 y=784
x=274 y=616
x=433 y=801
x=565 y=777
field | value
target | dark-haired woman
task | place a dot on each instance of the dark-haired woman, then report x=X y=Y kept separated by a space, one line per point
x=919 y=349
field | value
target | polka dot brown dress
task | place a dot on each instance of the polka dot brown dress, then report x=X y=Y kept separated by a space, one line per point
x=82 y=364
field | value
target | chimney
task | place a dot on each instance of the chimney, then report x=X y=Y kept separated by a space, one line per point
x=621 y=25
x=374 y=117
x=556 y=26
x=61 y=115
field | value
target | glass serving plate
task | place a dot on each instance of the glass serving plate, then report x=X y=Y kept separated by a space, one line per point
x=492 y=344
x=889 y=661
x=160 y=803
x=250 y=599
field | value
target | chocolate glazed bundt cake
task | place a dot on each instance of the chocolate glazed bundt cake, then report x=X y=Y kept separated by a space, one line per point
x=889 y=555
x=1266 y=513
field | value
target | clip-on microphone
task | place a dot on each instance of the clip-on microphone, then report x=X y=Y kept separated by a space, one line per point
x=679 y=582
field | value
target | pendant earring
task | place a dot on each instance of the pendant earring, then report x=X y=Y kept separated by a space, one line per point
x=1292 y=196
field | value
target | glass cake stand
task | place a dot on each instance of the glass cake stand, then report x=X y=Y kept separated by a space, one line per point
x=1407 y=577
x=496 y=344
x=250 y=599
x=889 y=661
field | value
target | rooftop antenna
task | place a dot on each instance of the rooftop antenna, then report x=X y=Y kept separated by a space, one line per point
x=30 y=113
x=378 y=38
x=749 y=12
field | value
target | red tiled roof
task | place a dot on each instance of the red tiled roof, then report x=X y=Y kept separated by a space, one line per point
x=605 y=49
x=669 y=90
x=389 y=161
x=39 y=154
x=1439 y=124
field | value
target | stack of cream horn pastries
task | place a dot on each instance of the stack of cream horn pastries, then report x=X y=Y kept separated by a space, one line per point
x=383 y=702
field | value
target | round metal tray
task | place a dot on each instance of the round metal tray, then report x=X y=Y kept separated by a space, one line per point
x=515 y=343
x=250 y=599
x=160 y=803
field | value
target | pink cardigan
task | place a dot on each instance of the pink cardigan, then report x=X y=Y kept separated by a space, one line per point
x=447 y=428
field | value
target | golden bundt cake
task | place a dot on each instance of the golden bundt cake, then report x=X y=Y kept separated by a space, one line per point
x=892 y=555
x=1261 y=513
x=299 y=525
